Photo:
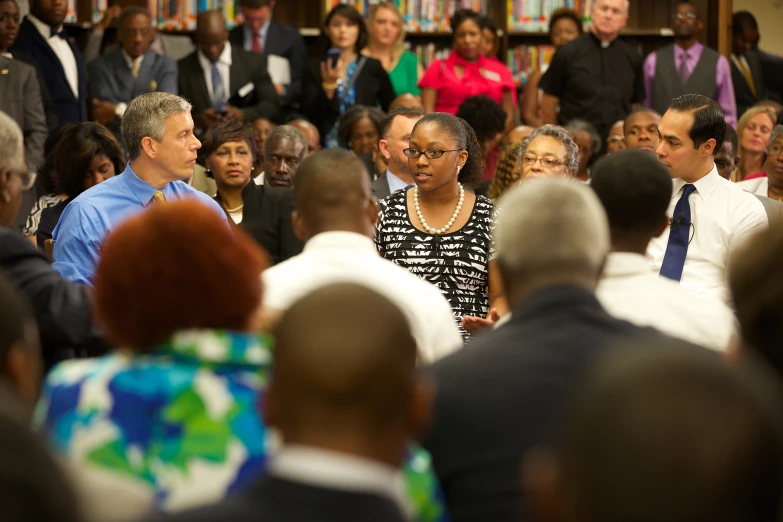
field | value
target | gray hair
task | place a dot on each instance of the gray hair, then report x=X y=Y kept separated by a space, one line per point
x=285 y=132
x=561 y=135
x=551 y=226
x=577 y=125
x=146 y=117
x=11 y=142
x=777 y=131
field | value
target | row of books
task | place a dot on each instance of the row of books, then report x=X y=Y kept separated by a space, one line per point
x=427 y=16
x=525 y=59
x=171 y=15
x=428 y=53
x=533 y=15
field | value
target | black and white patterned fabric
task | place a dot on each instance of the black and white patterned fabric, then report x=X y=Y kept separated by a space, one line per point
x=456 y=262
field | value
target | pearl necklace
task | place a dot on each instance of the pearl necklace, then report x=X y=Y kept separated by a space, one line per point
x=438 y=231
x=234 y=210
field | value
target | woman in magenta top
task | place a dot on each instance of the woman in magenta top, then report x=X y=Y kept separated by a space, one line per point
x=466 y=72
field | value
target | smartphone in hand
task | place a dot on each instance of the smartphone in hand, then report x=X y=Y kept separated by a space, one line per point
x=332 y=55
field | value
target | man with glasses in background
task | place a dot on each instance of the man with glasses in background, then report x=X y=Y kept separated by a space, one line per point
x=687 y=67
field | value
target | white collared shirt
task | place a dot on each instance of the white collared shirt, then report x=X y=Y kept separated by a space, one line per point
x=723 y=217
x=259 y=180
x=333 y=257
x=394 y=182
x=63 y=52
x=333 y=470
x=132 y=61
x=248 y=33
x=756 y=186
x=629 y=290
x=224 y=68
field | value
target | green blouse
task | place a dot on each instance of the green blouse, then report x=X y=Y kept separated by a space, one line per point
x=405 y=75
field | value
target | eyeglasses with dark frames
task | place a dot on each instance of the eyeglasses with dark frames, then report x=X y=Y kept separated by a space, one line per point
x=429 y=153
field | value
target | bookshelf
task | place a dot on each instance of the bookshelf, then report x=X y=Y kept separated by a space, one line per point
x=524 y=40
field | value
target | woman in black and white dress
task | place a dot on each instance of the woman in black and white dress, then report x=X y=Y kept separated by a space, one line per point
x=440 y=230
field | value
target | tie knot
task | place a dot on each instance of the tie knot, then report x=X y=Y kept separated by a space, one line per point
x=688 y=189
x=158 y=197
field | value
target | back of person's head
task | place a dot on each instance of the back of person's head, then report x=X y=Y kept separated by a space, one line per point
x=33 y=485
x=507 y=173
x=176 y=267
x=333 y=192
x=146 y=116
x=11 y=143
x=577 y=125
x=46 y=180
x=673 y=433
x=345 y=371
x=402 y=112
x=460 y=131
x=708 y=119
x=756 y=283
x=12 y=167
x=20 y=353
x=485 y=115
x=74 y=154
x=635 y=191
x=535 y=212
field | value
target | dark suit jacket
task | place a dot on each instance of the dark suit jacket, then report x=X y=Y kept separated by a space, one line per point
x=52 y=121
x=279 y=500
x=506 y=393
x=62 y=308
x=373 y=87
x=742 y=93
x=286 y=42
x=111 y=79
x=772 y=71
x=246 y=67
x=380 y=187
x=69 y=108
x=20 y=98
x=267 y=217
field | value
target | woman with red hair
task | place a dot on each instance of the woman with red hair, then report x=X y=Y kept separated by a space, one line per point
x=175 y=408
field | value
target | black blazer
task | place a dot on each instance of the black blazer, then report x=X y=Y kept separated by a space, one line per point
x=52 y=121
x=284 y=41
x=246 y=67
x=772 y=71
x=63 y=309
x=69 y=108
x=275 y=499
x=267 y=217
x=373 y=88
x=742 y=93
x=506 y=393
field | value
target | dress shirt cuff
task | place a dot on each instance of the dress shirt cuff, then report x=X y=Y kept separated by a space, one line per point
x=119 y=110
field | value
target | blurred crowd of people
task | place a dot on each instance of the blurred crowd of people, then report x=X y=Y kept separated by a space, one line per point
x=257 y=285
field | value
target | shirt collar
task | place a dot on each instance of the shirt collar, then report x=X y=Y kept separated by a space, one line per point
x=334 y=470
x=140 y=188
x=221 y=346
x=339 y=240
x=130 y=61
x=455 y=59
x=693 y=52
x=44 y=29
x=261 y=32
x=620 y=264
x=224 y=58
x=704 y=187
x=395 y=183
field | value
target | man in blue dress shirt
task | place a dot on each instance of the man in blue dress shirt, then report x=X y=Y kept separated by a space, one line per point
x=158 y=132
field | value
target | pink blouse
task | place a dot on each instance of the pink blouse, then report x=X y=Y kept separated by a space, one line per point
x=488 y=77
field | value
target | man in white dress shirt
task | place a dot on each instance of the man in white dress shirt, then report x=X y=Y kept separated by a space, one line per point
x=710 y=215
x=336 y=217
x=635 y=190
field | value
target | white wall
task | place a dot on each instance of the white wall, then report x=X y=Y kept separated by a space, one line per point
x=769 y=14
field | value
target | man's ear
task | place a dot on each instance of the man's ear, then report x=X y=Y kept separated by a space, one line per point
x=708 y=147
x=736 y=161
x=383 y=146
x=149 y=147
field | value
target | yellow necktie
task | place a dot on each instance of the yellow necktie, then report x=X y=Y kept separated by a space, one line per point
x=135 y=69
x=748 y=76
x=158 y=197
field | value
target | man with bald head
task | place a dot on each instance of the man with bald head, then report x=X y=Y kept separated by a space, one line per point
x=505 y=393
x=222 y=81
x=346 y=398
x=336 y=215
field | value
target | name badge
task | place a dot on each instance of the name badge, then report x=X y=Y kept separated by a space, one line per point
x=245 y=90
x=491 y=75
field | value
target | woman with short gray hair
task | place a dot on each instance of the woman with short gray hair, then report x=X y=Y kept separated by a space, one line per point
x=549 y=152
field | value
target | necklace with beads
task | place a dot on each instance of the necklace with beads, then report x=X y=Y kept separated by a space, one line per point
x=438 y=231
x=234 y=210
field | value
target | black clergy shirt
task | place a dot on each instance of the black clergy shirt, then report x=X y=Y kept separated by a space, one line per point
x=595 y=83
